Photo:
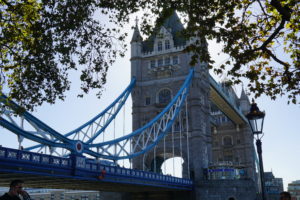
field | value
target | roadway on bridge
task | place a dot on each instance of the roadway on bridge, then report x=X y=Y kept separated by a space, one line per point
x=79 y=173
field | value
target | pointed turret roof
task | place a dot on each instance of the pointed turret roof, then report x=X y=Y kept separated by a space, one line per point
x=136 y=37
x=172 y=24
x=243 y=95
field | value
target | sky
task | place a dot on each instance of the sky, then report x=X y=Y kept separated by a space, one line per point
x=280 y=143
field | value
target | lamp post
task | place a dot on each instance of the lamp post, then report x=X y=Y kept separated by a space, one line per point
x=256 y=121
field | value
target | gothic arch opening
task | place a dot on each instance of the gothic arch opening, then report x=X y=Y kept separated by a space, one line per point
x=164 y=96
x=172 y=166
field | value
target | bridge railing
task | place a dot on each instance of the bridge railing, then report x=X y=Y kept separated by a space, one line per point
x=11 y=158
x=34 y=158
x=113 y=170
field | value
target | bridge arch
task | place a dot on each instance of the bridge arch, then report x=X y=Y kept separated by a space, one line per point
x=173 y=166
x=155 y=159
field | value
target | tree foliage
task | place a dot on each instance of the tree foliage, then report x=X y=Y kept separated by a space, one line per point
x=42 y=40
x=261 y=38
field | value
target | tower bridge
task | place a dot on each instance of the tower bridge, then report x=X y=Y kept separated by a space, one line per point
x=177 y=111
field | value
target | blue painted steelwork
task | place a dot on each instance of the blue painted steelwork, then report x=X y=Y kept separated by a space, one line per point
x=144 y=138
x=153 y=131
x=78 y=167
x=34 y=120
x=48 y=136
x=226 y=98
x=32 y=137
x=119 y=102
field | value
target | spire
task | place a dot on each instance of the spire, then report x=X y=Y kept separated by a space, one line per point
x=243 y=95
x=244 y=101
x=136 y=34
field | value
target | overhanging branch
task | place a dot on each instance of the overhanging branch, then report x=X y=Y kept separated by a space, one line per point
x=269 y=52
x=285 y=13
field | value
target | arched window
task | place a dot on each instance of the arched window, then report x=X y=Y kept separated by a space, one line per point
x=164 y=96
x=167 y=44
x=159 y=46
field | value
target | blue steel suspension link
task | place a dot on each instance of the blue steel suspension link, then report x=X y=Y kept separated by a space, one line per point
x=36 y=121
x=181 y=93
x=121 y=100
x=85 y=149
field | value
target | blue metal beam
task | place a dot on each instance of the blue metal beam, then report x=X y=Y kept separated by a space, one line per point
x=182 y=93
x=123 y=97
x=18 y=131
x=79 y=168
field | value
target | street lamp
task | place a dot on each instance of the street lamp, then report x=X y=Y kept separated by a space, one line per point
x=256 y=121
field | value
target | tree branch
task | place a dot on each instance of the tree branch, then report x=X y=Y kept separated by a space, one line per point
x=264 y=45
x=269 y=52
x=284 y=11
x=262 y=8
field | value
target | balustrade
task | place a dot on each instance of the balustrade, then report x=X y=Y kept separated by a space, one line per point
x=90 y=166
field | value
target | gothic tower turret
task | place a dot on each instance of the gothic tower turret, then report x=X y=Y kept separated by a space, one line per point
x=244 y=102
x=136 y=50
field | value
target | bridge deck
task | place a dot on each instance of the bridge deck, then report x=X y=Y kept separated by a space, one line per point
x=45 y=171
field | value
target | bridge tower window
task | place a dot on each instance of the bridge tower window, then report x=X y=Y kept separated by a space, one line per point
x=167 y=44
x=152 y=63
x=147 y=101
x=175 y=60
x=159 y=46
x=160 y=62
x=164 y=96
x=167 y=60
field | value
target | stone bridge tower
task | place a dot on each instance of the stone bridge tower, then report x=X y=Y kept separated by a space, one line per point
x=160 y=67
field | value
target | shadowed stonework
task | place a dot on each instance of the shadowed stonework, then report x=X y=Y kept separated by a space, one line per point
x=217 y=150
